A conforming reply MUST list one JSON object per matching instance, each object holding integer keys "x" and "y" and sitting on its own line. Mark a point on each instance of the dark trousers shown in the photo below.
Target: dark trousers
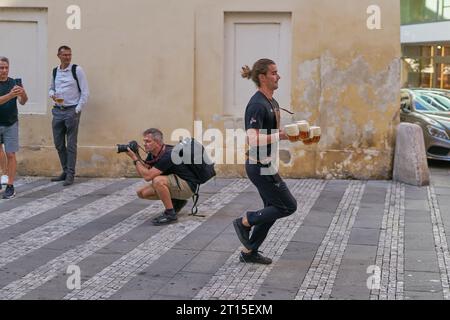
{"x": 278, "y": 203}
{"x": 65, "y": 136}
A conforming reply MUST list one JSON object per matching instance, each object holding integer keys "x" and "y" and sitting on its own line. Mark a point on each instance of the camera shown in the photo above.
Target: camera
{"x": 133, "y": 145}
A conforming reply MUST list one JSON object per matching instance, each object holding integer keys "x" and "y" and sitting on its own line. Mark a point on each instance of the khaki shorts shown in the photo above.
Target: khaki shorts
{"x": 180, "y": 190}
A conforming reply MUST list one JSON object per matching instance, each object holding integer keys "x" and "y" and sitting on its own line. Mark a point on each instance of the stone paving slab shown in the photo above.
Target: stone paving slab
{"x": 291, "y": 269}
{"x": 419, "y": 241}
{"x": 310, "y": 234}
{"x": 404, "y": 230}
{"x": 417, "y": 216}
{"x": 417, "y": 205}
{"x": 353, "y": 272}
{"x": 143, "y": 287}
{"x": 364, "y": 236}
{"x": 368, "y": 222}
{"x": 420, "y": 295}
{"x": 350, "y": 292}
{"x": 423, "y": 281}
{"x": 416, "y": 260}
{"x": 206, "y": 262}
{"x": 272, "y": 293}
{"x": 184, "y": 285}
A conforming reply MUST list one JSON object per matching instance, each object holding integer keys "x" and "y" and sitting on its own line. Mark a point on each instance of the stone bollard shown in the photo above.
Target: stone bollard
{"x": 410, "y": 162}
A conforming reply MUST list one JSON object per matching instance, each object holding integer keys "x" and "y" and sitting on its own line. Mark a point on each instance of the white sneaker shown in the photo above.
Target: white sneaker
{"x": 4, "y": 179}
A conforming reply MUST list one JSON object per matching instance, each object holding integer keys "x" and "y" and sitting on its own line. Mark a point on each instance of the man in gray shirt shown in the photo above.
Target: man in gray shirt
{"x": 69, "y": 90}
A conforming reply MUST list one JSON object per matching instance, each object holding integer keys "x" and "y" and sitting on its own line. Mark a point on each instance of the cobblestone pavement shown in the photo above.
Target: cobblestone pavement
{"x": 378, "y": 240}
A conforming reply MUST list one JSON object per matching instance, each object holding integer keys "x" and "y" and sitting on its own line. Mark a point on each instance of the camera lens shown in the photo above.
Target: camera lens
{"x": 122, "y": 148}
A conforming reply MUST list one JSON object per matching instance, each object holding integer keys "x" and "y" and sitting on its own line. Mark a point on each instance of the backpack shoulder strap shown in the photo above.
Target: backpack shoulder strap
{"x": 74, "y": 74}
{"x": 54, "y": 74}
{"x": 195, "y": 197}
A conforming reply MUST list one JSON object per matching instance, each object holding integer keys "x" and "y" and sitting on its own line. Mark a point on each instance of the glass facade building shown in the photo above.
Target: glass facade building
{"x": 424, "y": 11}
{"x": 426, "y": 63}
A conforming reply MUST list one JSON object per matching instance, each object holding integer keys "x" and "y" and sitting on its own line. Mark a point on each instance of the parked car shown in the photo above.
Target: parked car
{"x": 430, "y": 109}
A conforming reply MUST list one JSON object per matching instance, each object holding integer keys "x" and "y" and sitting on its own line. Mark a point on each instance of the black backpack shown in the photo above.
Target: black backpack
{"x": 193, "y": 154}
{"x": 74, "y": 74}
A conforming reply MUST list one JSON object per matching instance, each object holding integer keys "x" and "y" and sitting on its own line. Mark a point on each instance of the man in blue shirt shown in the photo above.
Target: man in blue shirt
{"x": 10, "y": 93}
{"x": 69, "y": 90}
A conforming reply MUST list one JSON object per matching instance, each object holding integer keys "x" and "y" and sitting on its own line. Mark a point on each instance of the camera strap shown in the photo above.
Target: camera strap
{"x": 156, "y": 159}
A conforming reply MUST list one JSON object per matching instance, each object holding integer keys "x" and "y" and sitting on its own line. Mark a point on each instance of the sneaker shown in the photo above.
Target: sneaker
{"x": 9, "y": 192}
{"x": 178, "y": 204}
{"x": 61, "y": 177}
{"x": 254, "y": 258}
{"x": 242, "y": 232}
{"x": 4, "y": 179}
{"x": 164, "y": 218}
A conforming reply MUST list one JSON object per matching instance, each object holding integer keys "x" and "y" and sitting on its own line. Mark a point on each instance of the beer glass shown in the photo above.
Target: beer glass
{"x": 292, "y": 132}
{"x": 303, "y": 127}
{"x": 316, "y": 134}
{"x": 309, "y": 140}
{"x": 59, "y": 99}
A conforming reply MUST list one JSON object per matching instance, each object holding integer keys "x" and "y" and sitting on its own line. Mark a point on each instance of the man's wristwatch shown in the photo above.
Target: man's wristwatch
{"x": 135, "y": 162}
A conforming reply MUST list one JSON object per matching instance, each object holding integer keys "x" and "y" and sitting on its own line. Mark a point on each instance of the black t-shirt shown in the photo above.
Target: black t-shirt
{"x": 8, "y": 110}
{"x": 260, "y": 114}
{"x": 165, "y": 164}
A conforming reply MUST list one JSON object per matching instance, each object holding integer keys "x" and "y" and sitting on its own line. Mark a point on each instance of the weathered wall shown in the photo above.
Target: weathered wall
{"x": 159, "y": 63}
{"x": 345, "y": 79}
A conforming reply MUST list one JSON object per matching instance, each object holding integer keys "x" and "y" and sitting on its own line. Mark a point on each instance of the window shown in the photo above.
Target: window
{"x": 423, "y": 11}
{"x": 426, "y": 66}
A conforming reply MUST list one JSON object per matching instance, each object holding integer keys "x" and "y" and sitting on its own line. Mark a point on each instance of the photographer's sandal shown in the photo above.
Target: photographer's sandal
{"x": 164, "y": 219}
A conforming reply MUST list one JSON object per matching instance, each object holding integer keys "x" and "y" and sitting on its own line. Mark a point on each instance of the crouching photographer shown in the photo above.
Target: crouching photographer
{"x": 171, "y": 183}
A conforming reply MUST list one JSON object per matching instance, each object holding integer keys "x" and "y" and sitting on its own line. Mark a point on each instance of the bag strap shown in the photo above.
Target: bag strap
{"x": 74, "y": 74}
{"x": 276, "y": 110}
{"x": 195, "y": 197}
{"x": 54, "y": 73}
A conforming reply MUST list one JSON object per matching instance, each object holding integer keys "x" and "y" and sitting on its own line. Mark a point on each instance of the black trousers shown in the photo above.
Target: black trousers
{"x": 278, "y": 203}
{"x": 65, "y": 136}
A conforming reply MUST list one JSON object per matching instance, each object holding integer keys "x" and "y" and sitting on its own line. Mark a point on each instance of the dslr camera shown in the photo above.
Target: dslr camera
{"x": 133, "y": 145}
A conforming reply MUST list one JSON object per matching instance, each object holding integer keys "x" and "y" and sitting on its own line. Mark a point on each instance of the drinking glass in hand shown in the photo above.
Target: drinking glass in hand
{"x": 314, "y": 136}
{"x": 292, "y": 132}
{"x": 303, "y": 127}
{"x": 316, "y": 133}
{"x": 59, "y": 99}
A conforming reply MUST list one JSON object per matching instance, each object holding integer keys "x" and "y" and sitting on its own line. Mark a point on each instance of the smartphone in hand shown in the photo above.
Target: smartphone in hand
{"x": 18, "y": 82}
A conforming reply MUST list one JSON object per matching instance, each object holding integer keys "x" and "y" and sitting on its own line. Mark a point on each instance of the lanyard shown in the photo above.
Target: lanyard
{"x": 276, "y": 110}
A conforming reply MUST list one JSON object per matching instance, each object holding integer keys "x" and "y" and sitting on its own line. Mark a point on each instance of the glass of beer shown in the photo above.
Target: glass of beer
{"x": 292, "y": 132}
{"x": 316, "y": 133}
{"x": 59, "y": 99}
{"x": 303, "y": 127}
{"x": 309, "y": 140}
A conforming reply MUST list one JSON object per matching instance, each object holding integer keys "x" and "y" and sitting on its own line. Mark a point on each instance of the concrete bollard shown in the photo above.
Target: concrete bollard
{"x": 410, "y": 162}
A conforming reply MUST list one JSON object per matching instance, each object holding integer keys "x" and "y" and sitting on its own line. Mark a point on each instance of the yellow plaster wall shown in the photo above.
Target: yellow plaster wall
{"x": 158, "y": 63}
